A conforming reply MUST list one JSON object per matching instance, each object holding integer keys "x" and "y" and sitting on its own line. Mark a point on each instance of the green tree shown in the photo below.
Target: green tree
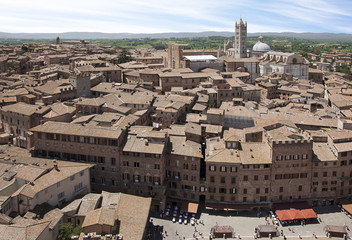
{"x": 66, "y": 231}
{"x": 124, "y": 57}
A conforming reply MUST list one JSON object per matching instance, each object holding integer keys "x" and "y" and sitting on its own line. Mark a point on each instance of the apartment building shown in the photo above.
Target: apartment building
{"x": 178, "y": 79}
{"x": 60, "y": 185}
{"x": 287, "y": 165}
{"x": 83, "y": 143}
{"x": 18, "y": 118}
{"x": 183, "y": 167}
{"x": 143, "y": 164}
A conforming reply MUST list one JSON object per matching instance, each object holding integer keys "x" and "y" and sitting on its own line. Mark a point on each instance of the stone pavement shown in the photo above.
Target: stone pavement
{"x": 245, "y": 223}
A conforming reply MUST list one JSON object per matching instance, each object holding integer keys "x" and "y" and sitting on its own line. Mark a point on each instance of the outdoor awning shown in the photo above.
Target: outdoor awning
{"x": 189, "y": 207}
{"x": 267, "y": 229}
{"x": 336, "y": 229}
{"x": 233, "y": 206}
{"x": 309, "y": 213}
{"x": 222, "y": 229}
{"x": 283, "y": 215}
{"x": 295, "y": 214}
{"x": 347, "y": 207}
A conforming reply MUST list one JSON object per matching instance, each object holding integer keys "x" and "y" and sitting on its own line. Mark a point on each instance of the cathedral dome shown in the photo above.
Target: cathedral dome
{"x": 262, "y": 47}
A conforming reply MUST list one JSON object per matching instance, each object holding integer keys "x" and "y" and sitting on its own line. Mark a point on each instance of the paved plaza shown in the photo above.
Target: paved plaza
{"x": 244, "y": 224}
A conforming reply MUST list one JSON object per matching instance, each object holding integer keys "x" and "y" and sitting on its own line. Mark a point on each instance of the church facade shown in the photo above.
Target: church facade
{"x": 281, "y": 62}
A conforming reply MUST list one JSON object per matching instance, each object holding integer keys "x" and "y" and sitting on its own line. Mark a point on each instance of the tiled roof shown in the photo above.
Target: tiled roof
{"x": 78, "y": 130}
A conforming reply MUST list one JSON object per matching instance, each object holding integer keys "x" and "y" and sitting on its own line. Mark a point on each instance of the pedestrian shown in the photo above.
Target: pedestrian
{"x": 165, "y": 233}
{"x": 176, "y": 232}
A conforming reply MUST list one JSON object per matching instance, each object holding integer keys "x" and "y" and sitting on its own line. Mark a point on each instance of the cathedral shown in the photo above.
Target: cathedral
{"x": 269, "y": 61}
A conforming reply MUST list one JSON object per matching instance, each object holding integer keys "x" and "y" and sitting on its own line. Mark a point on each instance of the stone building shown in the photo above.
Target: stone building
{"x": 284, "y": 63}
{"x": 174, "y": 56}
{"x": 18, "y": 118}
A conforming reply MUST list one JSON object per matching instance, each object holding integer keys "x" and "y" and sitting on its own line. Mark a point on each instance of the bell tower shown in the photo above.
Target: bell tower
{"x": 240, "y": 41}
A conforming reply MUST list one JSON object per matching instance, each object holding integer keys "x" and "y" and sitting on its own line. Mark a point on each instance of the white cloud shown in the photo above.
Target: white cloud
{"x": 172, "y": 15}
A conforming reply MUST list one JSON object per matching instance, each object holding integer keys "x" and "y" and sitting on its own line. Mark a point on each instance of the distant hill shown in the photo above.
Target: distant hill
{"x": 99, "y": 35}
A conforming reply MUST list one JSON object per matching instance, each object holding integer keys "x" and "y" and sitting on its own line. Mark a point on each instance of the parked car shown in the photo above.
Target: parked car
{"x": 193, "y": 221}
{"x": 180, "y": 220}
{"x": 174, "y": 219}
{"x": 185, "y": 221}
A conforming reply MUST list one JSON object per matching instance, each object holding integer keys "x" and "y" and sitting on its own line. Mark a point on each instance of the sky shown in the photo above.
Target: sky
{"x": 158, "y": 16}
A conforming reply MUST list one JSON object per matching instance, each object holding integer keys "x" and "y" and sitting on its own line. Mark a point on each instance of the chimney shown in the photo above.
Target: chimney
{"x": 55, "y": 166}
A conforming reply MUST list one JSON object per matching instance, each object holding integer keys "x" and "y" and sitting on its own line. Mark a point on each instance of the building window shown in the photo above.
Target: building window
{"x": 72, "y": 177}
{"x": 60, "y": 195}
{"x": 101, "y": 159}
{"x": 288, "y": 157}
{"x": 266, "y": 177}
{"x": 222, "y": 190}
{"x": 233, "y": 180}
{"x": 233, "y": 169}
{"x": 136, "y": 178}
{"x": 245, "y": 191}
{"x": 125, "y": 176}
{"x": 222, "y": 179}
{"x": 255, "y": 177}
{"x": 279, "y": 158}
{"x": 136, "y": 164}
{"x": 222, "y": 169}
{"x": 212, "y": 179}
{"x": 156, "y": 166}
{"x": 316, "y": 174}
{"x": 78, "y": 187}
{"x": 257, "y": 191}
{"x": 304, "y": 156}
{"x": 125, "y": 163}
{"x": 281, "y": 189}
{"x": 113, "y": 169}
{"x": 113, "y": 161}
{"x": 300, "y": 188}
{"x": 245, "y": 178}
{"x": 212, "y": 168}
{"x": 295, "y": 157}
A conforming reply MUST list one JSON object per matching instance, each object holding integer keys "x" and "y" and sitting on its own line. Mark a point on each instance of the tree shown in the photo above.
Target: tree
{"x": 66, "y": 231}
{"x": 124, "y": 57}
